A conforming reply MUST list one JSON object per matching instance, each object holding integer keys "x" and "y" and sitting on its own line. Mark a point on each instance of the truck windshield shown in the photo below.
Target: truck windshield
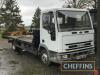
{"x": 73, "y": 20}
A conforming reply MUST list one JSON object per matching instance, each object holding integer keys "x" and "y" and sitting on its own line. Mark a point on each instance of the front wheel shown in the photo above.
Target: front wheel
{"x": 45, "y": 58}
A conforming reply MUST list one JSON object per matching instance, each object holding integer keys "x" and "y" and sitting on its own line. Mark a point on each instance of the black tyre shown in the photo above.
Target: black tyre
{"x": 45, "y": 57}
{"x": 16, "y": 49}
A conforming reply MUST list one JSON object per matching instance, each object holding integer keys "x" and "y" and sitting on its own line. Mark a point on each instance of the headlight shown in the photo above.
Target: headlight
{"x": 64, "y": 56}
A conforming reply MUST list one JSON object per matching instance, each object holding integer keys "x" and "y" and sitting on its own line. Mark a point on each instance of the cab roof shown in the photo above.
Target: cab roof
{"x": 69, "y": 9}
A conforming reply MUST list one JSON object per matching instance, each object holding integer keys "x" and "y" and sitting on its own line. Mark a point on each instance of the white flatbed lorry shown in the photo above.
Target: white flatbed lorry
{"x": 64, "y": 34}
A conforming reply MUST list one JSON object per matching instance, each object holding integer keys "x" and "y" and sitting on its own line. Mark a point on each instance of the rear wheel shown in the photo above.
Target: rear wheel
{"x": 13, "y": 47}
{"x": 16, "y": 49}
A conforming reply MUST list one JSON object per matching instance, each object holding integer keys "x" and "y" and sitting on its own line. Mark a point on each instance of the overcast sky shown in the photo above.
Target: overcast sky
{"x": 28, "y": 7}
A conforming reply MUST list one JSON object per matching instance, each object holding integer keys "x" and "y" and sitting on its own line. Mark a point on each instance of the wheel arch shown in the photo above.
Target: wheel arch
{"x": 42, "y": 47}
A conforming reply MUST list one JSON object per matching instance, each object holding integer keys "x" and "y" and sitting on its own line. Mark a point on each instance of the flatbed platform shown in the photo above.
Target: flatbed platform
{"x": 24, "y": 38}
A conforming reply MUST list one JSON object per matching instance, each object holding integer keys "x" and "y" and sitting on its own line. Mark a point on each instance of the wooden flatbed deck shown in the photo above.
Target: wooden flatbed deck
{"x": 25, "y": 38}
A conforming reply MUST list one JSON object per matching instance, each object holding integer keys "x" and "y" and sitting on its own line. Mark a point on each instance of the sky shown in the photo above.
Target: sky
{"x": 28, "y": 8}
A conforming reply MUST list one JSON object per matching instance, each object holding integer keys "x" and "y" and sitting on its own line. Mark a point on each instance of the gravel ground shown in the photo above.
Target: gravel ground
{"x": 12, "y": 63}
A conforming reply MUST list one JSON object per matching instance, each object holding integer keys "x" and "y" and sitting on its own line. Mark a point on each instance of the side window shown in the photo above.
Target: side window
{"x": 48, "y": 23}
{"x": 46, "y": 20}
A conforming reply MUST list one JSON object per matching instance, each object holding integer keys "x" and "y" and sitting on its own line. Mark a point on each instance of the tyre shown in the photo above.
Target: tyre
{"x": 45, "y": 57}
{"x": 16, "y": 49}
{"x": 13, "y": 47}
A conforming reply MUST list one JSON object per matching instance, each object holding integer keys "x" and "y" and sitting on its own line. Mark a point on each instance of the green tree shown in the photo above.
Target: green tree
{"x": 1, "y": 4}
{"x": 10, "y": 16}
{"x": 79, "y": 3}
{"x": 36, "y": 19}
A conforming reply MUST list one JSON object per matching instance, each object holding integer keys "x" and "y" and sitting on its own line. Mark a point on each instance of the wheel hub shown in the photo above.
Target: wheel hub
{"x": 13, "y": 47}
{"x": 44, "y": 58}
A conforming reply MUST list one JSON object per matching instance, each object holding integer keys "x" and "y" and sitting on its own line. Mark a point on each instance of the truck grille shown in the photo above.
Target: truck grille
{"x": 76, "y": 54}
{"x": 79, "y": 45}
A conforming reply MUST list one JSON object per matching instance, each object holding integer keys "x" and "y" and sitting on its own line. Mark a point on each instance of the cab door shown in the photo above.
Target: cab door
{"x": 48, "y": 31}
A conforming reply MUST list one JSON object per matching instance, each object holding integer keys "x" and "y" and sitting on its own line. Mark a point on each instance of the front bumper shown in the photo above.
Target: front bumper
{"x": 59, "y": 57}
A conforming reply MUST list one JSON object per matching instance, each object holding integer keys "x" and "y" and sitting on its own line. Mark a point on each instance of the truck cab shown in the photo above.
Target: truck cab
{"x": 66, "y": 34}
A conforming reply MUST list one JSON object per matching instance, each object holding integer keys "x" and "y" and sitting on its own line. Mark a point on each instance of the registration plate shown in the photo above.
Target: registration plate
{"x": 80, "y": 56}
